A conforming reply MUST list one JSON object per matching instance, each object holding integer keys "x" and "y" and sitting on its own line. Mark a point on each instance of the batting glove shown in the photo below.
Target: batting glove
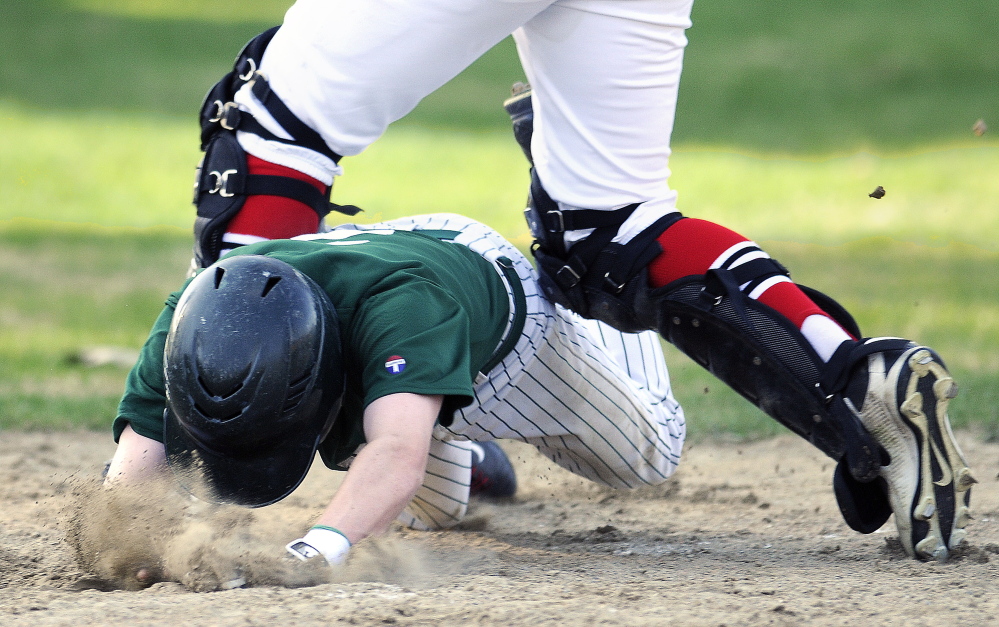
{"x": 331, "y": 543}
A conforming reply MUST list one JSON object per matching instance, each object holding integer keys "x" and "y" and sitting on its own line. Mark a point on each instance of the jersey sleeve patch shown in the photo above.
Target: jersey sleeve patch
{"x": 395, "y": 364}
{"x": 412, "y": 338}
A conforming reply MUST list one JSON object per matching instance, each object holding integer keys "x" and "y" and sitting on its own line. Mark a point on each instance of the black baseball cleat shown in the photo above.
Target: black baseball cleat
{"x": 901, "y": 397}
{"x": 492, "y": 473}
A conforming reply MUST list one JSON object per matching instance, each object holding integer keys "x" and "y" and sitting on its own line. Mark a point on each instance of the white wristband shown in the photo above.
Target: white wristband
{"x": 325, "y": 541}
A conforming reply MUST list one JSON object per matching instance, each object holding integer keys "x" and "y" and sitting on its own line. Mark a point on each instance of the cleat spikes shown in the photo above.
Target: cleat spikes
{"x": 965, "y": 480}
{"x": 945, "y": 389}
{"x": 927, "y": 480}
{"x": 962, "y": 517}
{"x": 919, "y": 363}
{"x": 925, "y": 510}
{"x": 932, "y": 548}
{"x": 957, "y": 537}
{"x": 953, "y": 390}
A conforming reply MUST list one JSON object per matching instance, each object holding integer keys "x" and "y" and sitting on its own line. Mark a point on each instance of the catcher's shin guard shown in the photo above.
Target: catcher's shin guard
{"x": 596, "y": 278}
{"x": 222, "y": 182}
{"x": 749, "y": 346}
{"x": 765, "y": 358}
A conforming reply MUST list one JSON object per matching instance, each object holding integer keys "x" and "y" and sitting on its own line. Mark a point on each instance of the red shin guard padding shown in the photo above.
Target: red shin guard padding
{"x": 275, "y": 217}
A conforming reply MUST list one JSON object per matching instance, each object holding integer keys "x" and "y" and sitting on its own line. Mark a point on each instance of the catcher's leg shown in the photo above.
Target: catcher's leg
{"x": 877, "y": 406}
{"x": 333, "y": 77}
{"x": 240, "y": 198}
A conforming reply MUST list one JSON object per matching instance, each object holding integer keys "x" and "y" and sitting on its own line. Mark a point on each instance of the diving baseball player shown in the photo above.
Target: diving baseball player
{"x": 391, "y": 349}
{"x": 609, "y": 242}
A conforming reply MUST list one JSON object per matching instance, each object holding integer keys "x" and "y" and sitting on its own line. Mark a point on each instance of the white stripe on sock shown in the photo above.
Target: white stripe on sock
{"x": 732, "y": 250}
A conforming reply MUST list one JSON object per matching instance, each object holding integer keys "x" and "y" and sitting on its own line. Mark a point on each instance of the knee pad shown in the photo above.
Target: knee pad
{"x": 222, "y": 182}
{"x": 596, "y": 278}
{"x": 521, "y": 111}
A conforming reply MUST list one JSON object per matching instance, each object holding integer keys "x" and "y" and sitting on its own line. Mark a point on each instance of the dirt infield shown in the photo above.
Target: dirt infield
{"x": 746, "y": 534}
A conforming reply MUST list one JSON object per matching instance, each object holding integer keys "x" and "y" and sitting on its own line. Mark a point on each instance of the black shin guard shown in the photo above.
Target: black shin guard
{"x": 761, "y": 355}
{"x": 766, "y": 359}
{"x": 222, "y": 182}
{"x": 597, "y": 278}
{"x": 754, "y": 349}
{"x": 747, "y": 345}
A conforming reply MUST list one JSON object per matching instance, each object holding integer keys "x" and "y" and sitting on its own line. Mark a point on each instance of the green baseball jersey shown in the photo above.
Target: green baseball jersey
{"x": 417, "y": 314}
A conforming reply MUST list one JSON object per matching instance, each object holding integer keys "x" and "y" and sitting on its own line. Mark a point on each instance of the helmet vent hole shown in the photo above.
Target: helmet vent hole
{"x": 269, "y": 285}
{"x": 296, "y": 390}
{"x": 219, "y": 394}
{"x": 219, "y": 273}
{"x": 215, "y": 415}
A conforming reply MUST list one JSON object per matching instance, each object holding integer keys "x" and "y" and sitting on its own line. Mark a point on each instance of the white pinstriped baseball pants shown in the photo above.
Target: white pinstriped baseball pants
{"x": 604, "y": 73}
{"x": 592, "y": 399}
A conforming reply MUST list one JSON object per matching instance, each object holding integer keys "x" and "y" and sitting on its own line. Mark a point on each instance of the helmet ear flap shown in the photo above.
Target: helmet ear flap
{"x": 254, "y": 378}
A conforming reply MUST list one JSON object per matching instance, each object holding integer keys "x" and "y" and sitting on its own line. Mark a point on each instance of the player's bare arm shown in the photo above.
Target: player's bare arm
{"x": 382, "y": 479}
{"x": 137, "y": 458}
{"x": 389, "y": 469}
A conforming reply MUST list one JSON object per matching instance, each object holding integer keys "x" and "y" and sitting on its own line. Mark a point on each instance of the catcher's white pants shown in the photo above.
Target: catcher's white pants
{"x": 604, "y": 74}
{"x": 592, "y": 399}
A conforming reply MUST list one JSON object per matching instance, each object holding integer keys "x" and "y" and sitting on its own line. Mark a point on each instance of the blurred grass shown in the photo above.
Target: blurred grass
{"x": 838, "y": 74}
{"x": 162, "y": 57}
{"x": 936, "y": 195}
{"x": 137, "y": 170}
{"x": 808, "y": 77}
{"x": 67, "y": 288}
{"x": 788, "y": 117}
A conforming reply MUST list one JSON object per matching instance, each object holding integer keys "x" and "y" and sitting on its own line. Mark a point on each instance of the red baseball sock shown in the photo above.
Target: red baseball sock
{"x": 786, "y": 298}
{"x": 275, "y": 217}
{"x": 692, "y": 247}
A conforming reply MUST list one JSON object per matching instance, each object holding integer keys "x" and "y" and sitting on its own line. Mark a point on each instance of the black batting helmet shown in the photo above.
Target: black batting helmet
{"x": 254, "y": 378}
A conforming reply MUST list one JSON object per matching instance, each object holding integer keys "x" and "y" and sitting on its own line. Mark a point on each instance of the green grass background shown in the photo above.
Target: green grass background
{"x": 788, "y": 117}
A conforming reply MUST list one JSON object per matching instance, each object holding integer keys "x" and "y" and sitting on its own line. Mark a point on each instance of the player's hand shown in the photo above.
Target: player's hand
{"x": 146, "y": 576}
{"x": 321, "y": 540}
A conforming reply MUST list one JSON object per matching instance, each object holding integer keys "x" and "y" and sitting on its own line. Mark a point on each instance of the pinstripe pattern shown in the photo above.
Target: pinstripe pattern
{"x": 592, "y": 399}
{"x": 442, "y": 500}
